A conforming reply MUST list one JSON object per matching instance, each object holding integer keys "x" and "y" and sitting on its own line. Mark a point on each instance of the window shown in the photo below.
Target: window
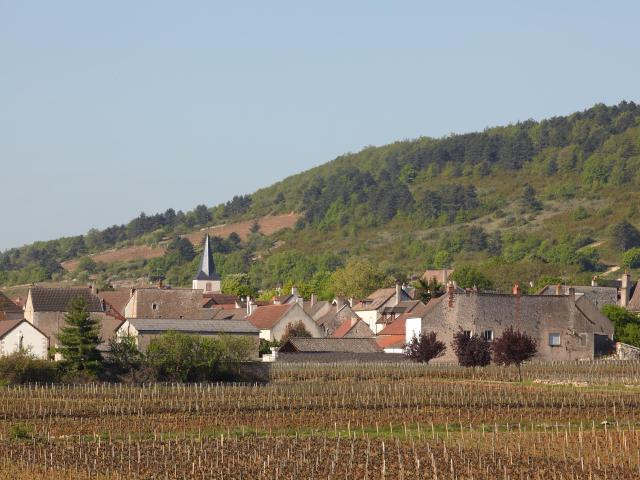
{"x": 154, "y": 306}
{"x": 488, "y": 335}
{"x": 467, "y": 333}
{"x": 554, "y": 339}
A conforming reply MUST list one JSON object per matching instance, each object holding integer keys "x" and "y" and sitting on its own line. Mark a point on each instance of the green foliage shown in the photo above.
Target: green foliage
{"x": 79, "y": 340}
{"x": 238, "y": 285}
{"x": 624, "y": 235}
{"x": 22, "y": 367}
{"x": 266, "y": 345}
{"x": 124, "y": 356}
{"x": 357, "y": 279}
{"x": 626, "y": 324}
{"x": 468, "y": 276}
{"x": 191, "y": 358}
{"x": 631, "y": 258}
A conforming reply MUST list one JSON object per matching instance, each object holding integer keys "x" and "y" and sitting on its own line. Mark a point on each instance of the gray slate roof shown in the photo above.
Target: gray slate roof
{"x": 58, "y": 299}
{"x": 207, "y": 267}
{"x": 599, "y": 296}
{"x": 320, "y": 345}
{"x": 192, "y": 326}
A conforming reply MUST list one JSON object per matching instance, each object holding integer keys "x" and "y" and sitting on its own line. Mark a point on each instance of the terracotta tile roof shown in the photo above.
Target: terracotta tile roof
{"x": 267, "y": 316}
{"x": 324, "y": 345}
{"x": 7, "y": 325}
{"x": 390, "y": 341}
{"x": 118, "y": 299}
{"x": 397, "y": 327}
{"x": 58, "y": 299}
{"x": 345, "y": 327}
{"x": 7, "y": 306}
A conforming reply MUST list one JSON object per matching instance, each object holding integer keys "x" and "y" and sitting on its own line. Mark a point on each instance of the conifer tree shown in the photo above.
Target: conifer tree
{"x": 79, "y": 340}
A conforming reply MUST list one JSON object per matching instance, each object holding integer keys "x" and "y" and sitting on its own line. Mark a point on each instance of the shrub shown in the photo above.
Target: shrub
{"x": 472, "y": 351}
{"x": 295, "y": 330}
{"x": 514, "y": 347}
{"x": 631, "y": 258}
{"x": 425, "y": 348}
{"x": 22, "y": 367}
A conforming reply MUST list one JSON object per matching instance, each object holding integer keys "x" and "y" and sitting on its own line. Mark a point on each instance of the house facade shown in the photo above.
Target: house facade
{"x": 370, "y": 309}
{"x": 566, "y": 327}
{"x": 20, "y": 335}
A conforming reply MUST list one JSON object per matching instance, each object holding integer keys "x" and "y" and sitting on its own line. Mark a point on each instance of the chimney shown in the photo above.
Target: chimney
{"x": 516, "y": 289}
{"x": 625, "y": 289}
{"x": 594, "y": 281}
{"x": 159, "y": 284}
{"x": 92, "y": 288}
{"x": 572, "y": 294}
{"x": 351, "y": 301}
{"x": 398, "y": 293}
{"x": 294, "y": 291}
{"x": 314, "y": 299}
{"x": 248, "y": 307}
{"x": 450, "y": 290}
{"x": 558, "y": 289}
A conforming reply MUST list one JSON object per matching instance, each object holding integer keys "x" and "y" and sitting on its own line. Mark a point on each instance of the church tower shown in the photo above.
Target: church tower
{"x": 207, "y": 278}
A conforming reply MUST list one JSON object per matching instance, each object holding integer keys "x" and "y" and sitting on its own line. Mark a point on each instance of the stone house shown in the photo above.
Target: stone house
{"x": 337, "y": 313}
{"x": 167, "y": 303}
{"x": 370, "y": 309}
{"x": 17, "y": 335}
{"x": 9, "y": 310}
{"x": 272, "y": 320}
{"x": 353, "y": 327}
{"x": 45, "y": 308}
{"x": 566, "y": 327}
{"x": 146, "y": 329}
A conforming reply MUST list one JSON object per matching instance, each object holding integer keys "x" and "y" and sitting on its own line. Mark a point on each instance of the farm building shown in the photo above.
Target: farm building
{"x": 17, "y": 335}
{"x": 9, "y": 310}
{"x": 145, "y": 329}
{"x": 46, "y": 308}
{"x": 272, "y": 320}
{"x": 566, "y": 327}
{"x": 167, "y": 303}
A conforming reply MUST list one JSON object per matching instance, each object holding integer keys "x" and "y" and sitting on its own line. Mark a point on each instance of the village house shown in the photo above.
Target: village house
{"x": 353, "y": 327}
{"x": 115, "y": 301}
{"x": 20, "y": 335}
{"x": 370, "y": 309}
{"x": 272, "y": 320}
{"x": 566, "y": 327}
{"x": 45, "y": 308}
{"x": 167, "y": 303}
{"x": 337, "y": 313}
{"x": 9, "y": 310}
{"x": 146, "y": 329}
{"x": 441, "y": 275}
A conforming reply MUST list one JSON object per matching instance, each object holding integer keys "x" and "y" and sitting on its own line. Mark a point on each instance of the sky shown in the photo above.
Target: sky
{"x": 109, "y": 109}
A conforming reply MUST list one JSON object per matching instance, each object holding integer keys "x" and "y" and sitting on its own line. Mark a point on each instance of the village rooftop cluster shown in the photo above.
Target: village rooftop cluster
{"x": 565, "y": 320}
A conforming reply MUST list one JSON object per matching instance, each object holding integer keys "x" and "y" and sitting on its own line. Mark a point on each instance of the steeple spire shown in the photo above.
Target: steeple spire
{"x": 207, "y": 266}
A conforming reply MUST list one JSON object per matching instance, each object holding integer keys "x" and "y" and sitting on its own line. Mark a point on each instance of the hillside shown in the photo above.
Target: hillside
{"x": 529, "y": 202}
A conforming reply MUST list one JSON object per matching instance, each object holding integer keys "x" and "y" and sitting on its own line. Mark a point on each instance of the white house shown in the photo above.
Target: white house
{"x": 16, "y": 335}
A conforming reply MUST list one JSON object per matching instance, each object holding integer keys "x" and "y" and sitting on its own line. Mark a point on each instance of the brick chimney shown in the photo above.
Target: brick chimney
{"x": 450, "y": 291}
{"x": 398, "y": 293}
{"x": 516, "y": 289}
{"x": 625, "y": 289}
{"x": 572, "y": 294}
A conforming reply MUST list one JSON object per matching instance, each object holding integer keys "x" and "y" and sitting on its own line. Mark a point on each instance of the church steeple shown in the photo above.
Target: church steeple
{"x": 207, "y": 278}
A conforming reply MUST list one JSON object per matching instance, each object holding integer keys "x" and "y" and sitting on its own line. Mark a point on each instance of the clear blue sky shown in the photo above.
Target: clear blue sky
{"x": 111, "y": 108}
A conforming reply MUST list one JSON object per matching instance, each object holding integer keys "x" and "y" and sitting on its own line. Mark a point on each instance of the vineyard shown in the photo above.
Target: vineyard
{"x": 327, "y": 421}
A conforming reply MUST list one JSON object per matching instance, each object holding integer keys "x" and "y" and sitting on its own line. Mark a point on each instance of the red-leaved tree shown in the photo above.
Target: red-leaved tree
{"x": 424, "y": 348}
{"x": 472, "y": 351}
{"x": 514, "y": 347}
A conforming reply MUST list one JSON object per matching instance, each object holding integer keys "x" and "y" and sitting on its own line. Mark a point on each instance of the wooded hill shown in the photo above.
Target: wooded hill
{"x": 529, "y": 202}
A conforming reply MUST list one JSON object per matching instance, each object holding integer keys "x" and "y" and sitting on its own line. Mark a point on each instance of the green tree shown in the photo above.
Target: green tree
{"x": 238, "y": 284}
{"x": 626, "y": 324}
{"x": 468, "y": 276}
{"x": 625, "y": 236}
{"x": 87, "y": 264}
{"x": 529, "y": 199}
{"x": 124, "y": 355}
{"x": 631, "y": 258}
{"x": 79, "y": 340}
{"x": 357, "y": 279}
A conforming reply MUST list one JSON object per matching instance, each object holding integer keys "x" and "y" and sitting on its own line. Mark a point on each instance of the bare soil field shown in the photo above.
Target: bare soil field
{"x": 268, "y": 225}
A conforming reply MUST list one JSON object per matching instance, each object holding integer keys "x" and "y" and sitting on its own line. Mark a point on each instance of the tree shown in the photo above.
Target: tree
{"x": 124, "y": 355}
{"x": 471, "y": 350}
{"x": 626, "y": 324}
{"x": 87, "y": 264}
{"x": 529, "y": 199}
{"x": 468, "y": 276}
{"x": 295, "y": 330}
{"x": 79, "y": 340}
{"x": 512, "y": 348}
{"x": 625, "y": 236}
{"x": 238, "y": 284}
{"x": 425, "y": 348}
{"x": 183, "y": 248}
{"x": 426, "y": 290}
{"x": 357, "y": 279}
{"x": 631, "y": 258}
